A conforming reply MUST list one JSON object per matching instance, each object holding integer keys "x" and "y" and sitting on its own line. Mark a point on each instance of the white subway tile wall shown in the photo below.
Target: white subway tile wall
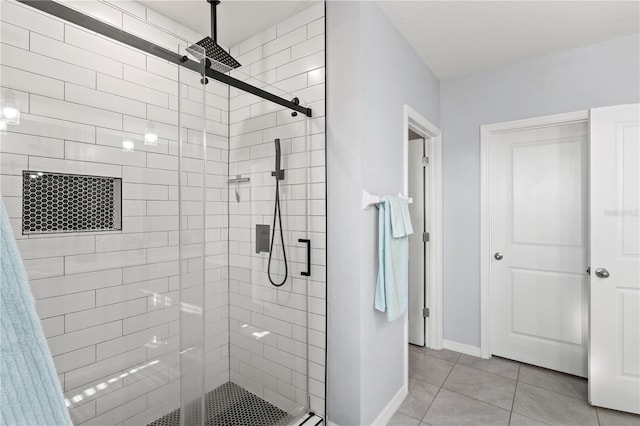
{"x": 268, "y": 335}
{"x": 108, "y": 301}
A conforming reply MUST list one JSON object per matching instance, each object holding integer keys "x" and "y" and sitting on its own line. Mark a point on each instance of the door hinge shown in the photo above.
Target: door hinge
{"x": 425, "y": 161}
{"x": 425, "y": 236}
{"x": 425, "y": 312}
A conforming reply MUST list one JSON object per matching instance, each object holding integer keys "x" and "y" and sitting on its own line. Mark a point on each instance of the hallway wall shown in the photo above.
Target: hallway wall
{"x": 372, "y": 73}
{"x": 601, "y": 74}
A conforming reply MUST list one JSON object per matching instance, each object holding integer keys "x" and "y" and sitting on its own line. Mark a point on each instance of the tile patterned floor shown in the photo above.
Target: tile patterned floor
{"x": 448, "y": 388}
{"x": 232, "y": 405}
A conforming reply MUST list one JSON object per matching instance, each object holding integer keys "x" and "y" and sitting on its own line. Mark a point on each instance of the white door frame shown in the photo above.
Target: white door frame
{"x": 432, "y": 134}
{"x": 486, "y": 133}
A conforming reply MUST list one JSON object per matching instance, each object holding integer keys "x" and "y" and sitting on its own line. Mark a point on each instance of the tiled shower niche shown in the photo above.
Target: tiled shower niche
{"x": 57, "y": 202}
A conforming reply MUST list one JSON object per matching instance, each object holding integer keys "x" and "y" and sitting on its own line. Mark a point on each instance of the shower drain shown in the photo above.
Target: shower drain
{"x": 231, "y": 405}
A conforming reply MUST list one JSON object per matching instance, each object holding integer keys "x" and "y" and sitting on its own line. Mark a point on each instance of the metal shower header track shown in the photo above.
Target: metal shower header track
{"x": 71, "y": 15}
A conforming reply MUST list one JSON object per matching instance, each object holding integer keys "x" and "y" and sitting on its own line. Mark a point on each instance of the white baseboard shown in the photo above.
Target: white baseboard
{"x": 386, "y": 414}
{"x": 393, "y": 405}
{"x": 462, "y": 348}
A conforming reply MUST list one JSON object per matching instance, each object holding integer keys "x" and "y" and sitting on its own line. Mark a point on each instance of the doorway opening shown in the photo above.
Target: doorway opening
{"x": 423, "y": 183}
{"x": 419, "y": 241}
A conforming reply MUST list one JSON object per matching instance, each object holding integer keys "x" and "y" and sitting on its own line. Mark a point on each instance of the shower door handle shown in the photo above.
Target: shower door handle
{"x": 308, "y": 271}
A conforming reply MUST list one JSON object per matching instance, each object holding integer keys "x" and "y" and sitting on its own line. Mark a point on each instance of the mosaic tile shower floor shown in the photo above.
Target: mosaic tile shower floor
{"x": 231, "y": 405}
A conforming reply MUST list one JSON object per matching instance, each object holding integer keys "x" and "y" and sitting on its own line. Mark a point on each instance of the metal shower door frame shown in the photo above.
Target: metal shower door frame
{"x": 75, "y": 17}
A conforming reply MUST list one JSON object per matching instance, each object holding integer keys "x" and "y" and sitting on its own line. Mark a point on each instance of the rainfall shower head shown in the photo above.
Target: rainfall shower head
{"x": 220, "y": 59}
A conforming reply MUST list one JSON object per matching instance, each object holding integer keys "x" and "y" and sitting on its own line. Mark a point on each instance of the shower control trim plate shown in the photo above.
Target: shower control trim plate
{"x": 262, "y": 238}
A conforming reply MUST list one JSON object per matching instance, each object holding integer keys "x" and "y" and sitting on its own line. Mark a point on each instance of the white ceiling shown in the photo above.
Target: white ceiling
{"x": 237, "y": 19}
{"x": 461, "y": 37}
{"x": 453, "y": 37}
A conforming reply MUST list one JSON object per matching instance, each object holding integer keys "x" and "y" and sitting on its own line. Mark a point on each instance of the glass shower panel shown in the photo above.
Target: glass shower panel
{"x": 204, "y": 252}
{"x": 192, "y": 197}
{"x": 268, "y": 293}
{"x": 106, "y": 291}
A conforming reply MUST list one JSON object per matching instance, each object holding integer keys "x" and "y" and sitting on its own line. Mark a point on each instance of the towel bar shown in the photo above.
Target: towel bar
{"x": 369, "y": 200}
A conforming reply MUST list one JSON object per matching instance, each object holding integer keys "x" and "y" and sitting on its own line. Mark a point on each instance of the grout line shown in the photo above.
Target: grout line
{"x": 513, "y": 400}
{"x": 555, "y": 392}
{"x": 485, "y": 402}
{"x": 479, "y": 400}
{"x": 528, "y": 417}
{"x": 440, "y": 388}
{"x": 491, "y": 373}
{"x": 431, "y": 403}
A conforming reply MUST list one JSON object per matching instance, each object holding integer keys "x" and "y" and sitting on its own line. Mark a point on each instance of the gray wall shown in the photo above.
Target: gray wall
{"x": 372, "y": 73}
{"x": 601, "y": 74}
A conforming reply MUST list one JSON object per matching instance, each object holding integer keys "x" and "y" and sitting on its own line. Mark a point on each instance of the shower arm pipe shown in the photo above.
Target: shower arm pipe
{"x": 214, "y": 19}
{"x": 73, "y": 16}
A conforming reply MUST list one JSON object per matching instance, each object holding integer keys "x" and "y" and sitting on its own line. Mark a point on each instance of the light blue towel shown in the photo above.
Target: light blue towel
{"x": 394, "y": 228}
{"x": 30, "y": 392}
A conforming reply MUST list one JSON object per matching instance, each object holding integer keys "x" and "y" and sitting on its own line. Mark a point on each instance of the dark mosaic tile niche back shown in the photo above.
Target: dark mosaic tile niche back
{"x": 55, "y": 202}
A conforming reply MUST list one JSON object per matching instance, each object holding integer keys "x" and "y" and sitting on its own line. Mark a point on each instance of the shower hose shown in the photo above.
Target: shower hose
{"x": 277, "y": 213}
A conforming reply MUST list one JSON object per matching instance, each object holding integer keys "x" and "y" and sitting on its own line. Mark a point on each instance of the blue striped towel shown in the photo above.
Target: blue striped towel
{"x": 30, "y": 392}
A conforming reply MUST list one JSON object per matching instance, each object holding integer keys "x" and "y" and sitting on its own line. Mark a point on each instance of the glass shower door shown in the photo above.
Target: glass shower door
{"x": 244, "y": 288}
{"x": 268, "y": 257}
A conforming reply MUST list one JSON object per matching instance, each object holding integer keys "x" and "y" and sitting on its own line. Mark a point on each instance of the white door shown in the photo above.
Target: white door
{"x": 539, "y": 284}
{"x": 614, "y": 350}
{"x": 417, "y": 247}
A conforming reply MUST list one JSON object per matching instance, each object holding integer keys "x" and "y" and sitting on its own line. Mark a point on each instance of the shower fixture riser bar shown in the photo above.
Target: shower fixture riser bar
{"x": 63, "y": 12}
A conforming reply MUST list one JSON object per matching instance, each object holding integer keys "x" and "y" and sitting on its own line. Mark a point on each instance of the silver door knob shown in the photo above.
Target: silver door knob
{"x": 498, "y": 256}
{"x": 602, "y": 273}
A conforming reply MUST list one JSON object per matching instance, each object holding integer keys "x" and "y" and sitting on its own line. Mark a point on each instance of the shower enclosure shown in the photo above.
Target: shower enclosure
{"x": 243, "y": 341}
{"x": 164, "y": 313}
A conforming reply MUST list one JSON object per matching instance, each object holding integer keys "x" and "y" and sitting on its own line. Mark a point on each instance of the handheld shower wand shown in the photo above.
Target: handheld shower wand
{"x": 278, "y": 173}
{"x": 277, "y": 213}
